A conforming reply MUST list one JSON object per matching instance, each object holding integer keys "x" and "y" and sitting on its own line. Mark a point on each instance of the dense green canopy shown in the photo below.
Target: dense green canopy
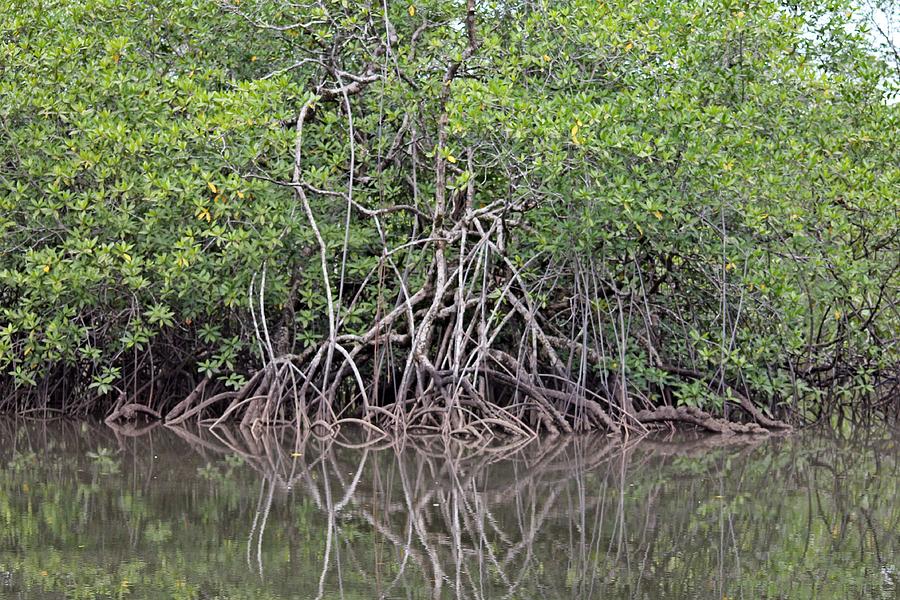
{"x": 546, "y": 214}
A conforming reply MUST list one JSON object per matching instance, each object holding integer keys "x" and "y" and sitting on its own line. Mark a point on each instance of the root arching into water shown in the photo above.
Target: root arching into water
{"x": 456, "y": 377}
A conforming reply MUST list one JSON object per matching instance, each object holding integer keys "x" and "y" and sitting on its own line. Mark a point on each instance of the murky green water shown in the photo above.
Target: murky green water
{"x": 86, "y": 513}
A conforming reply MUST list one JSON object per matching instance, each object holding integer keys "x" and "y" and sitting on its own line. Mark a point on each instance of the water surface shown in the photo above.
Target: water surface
{"x": 86, "y": 512}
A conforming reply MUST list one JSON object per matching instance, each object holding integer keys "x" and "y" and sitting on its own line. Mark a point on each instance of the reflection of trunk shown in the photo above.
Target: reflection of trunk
{"x": 535, "y": 520}
{"x": 476, "y": 521}
{"x": 442, "y": 524}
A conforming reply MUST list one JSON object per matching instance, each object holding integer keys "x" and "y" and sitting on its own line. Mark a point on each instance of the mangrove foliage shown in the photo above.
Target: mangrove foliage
{"x": 455, "y": 217}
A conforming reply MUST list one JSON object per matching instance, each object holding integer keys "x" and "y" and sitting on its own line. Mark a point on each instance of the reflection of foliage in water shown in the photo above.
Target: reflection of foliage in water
{"x": 104, "y": 461}
{"x": 238, "y": 517}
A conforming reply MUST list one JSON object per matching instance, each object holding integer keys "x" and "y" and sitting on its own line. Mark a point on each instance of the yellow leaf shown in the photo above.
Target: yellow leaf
{"x": 628, "y": 46}
{"x": 837, "y": 315}
{"x": 729, "y": 266}
{"x": 203, "y": 214}
{"x": 181, "y": 261}
{"x": 575, "y": 135}
{"x": 411, "y": 10}
{"x": 658, "y": 215}
{"x": 240, "y": 194}
{"x": 212, "y": 187}
{"x": 296, "y": 454}
{"x": 126, "y": 257}
{"x": 46, "y": 268}
{"x": 728, "y": 165}
{"x": 451, "y": 158}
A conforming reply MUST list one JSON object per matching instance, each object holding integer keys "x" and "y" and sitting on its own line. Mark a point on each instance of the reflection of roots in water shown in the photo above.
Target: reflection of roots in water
{"x": 443, "y": 521}
{"x": 556, "y": 517}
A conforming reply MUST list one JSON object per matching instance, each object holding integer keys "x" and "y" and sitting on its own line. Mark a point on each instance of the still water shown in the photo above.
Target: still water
{"x": 86, "y": 512}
